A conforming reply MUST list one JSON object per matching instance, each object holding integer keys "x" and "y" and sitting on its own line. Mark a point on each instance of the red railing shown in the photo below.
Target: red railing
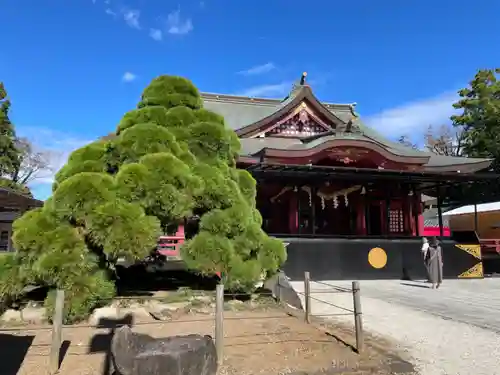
{"x": 490, "y": 246}
{"x": 169, "y": 246}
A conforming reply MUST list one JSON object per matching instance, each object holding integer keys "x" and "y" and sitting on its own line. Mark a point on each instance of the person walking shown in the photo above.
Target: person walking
{"x": 425, "y": 250}
{"x": 434, "y": 260}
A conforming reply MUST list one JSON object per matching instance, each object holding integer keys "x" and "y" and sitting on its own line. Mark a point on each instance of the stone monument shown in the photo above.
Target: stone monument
{"x": 139, "y": 354}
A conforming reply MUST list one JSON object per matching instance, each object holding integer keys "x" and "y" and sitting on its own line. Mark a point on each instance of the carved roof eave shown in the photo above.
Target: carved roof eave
{"x": 464, "y": 168}
{"x": 310, "y": 152}
{"x": 304, "y": 93}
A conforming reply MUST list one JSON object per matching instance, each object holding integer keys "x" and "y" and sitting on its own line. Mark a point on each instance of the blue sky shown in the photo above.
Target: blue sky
{"x": 72, "y": 68}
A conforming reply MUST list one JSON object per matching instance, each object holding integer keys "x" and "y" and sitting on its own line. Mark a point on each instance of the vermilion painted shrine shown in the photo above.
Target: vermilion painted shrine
{"x": 346, "y": 200}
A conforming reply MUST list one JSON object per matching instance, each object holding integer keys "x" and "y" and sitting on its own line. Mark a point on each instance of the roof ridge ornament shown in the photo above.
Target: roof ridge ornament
{"x": 296, "y": 86}
{"x": 302, "y": 81}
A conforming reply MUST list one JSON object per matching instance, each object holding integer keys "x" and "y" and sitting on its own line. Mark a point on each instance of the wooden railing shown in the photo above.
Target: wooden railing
{"x": 169, "y": 246}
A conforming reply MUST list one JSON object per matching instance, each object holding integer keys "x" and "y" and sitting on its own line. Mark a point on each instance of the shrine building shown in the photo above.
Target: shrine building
{"x": 347, "y": 200}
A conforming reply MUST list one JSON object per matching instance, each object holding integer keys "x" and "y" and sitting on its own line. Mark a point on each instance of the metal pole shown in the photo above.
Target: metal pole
{"x": 219, "y": 323}
{"x": 307, "y": 295}
{"x": 57, "y": 332}
{"x": 358, "y": 321}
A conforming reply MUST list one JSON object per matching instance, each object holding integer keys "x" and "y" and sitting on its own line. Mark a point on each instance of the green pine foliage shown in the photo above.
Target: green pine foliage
{"x": 480, "y": 116}
{"x": 169, "y": 160}
{"x": 9, "y": 154}
{"x": 479, "y": 121}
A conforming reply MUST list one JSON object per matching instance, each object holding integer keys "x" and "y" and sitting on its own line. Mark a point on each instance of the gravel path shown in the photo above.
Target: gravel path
{"x": 454, "y": 330}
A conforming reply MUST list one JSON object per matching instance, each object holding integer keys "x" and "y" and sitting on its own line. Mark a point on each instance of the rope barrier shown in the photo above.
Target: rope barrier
{"x": 347, "y": 290}
{"x": 331, "y": 304}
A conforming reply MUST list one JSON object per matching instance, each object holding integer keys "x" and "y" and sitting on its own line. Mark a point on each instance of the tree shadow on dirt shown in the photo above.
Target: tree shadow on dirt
{"x": 101, "y": 342}
{"x": 14, "y": 349}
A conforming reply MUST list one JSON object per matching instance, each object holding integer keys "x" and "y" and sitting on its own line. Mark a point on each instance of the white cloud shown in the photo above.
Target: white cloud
{"x": 128, "y": 77}
{"x": 414, "y": 118}
{"x": 110, "y": 12}
{"x": 276, "y": 90}
{"x": 258, "y": 69}
{"x": 156, "y": 34}
{"x": 177, "y": 25}
{"x": 131, "y": 17}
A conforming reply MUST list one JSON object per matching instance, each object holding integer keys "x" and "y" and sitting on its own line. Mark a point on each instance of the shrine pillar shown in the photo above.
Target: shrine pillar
{"x": 361, "y": 215}
{"x": 406, "y": 207}
{"x": 293, "y": 214}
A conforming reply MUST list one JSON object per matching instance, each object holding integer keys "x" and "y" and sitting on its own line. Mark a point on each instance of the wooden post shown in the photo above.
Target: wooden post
{"x": 307, "y": 296}
{"x": 219, "y": 323}
{"x": 56, "y": 332}
{"x": 358, "y": 321}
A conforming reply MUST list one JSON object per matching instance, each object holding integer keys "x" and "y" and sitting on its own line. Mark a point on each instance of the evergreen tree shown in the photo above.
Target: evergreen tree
{"x": 169, "y": 159}
{"x": 480, "y": 117}
{"x": 478, "y": 125}
{"x": 9, "y": 154}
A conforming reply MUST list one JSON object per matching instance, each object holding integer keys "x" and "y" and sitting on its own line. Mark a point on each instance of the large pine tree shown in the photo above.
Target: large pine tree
{"x": 170, "y": 159}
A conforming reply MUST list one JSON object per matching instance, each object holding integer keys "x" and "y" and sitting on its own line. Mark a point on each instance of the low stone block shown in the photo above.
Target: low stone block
{"x": 12, "y": 315}
{"x": 139, "y": 354}
{"x": 33, "y": 314}
{"x": 110, "y": 313}
{"x": 283, "y": 290}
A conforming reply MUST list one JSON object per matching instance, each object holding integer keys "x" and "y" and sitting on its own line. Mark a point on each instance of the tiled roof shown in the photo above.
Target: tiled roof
{"x": 240, "y": 112}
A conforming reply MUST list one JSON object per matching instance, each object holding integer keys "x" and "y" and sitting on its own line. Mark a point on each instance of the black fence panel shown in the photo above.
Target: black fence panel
{"x": 375, "y": 259}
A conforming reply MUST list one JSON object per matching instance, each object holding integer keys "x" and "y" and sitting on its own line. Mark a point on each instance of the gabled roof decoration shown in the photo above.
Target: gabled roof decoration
{"x": 303, "y": 96}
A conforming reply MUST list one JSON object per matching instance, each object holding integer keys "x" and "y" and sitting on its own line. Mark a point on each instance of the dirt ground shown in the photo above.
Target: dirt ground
{"x": 256, "y": 342}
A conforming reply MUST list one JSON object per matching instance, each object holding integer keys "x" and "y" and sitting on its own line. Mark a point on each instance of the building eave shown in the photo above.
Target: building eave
{"x": 12, "y": 199}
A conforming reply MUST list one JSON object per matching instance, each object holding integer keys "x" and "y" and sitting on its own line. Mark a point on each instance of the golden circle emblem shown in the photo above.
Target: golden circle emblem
{"x": 377, "y": 257}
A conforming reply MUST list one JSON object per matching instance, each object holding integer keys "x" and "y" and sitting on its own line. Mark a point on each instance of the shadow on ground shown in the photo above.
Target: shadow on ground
{"x": 101, "y": 343}
{"x": 137, "y": 281}
{"x": 416, "y": 285}
{"x": 14, "y": 349}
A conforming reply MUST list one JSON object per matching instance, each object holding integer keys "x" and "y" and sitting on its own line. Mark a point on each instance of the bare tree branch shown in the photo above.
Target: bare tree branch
{"x": 33, "y": 163}
{"x": 446, "y": 140}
